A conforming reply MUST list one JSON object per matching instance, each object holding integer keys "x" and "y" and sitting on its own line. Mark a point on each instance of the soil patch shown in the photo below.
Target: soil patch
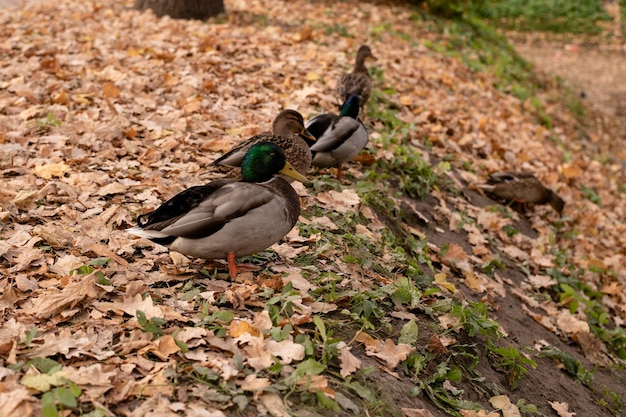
{"x": 596, "y": 72}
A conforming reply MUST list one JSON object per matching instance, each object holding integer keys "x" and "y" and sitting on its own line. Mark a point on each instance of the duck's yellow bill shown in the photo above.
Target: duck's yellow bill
{"x": 289, "y": 171}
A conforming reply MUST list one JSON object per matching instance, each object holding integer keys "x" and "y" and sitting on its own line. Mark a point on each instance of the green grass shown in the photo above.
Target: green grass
{"x": 557, "y": 16}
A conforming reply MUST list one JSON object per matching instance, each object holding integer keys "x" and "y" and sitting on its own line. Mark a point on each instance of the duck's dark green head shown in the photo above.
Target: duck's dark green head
{"x": 263, "y": 161}
{"x": 350, "y": 107}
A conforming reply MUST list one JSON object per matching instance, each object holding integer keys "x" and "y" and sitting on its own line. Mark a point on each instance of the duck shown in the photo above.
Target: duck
{"x": 358, "y": 82}
{"x": 521, "y": 188}
{"x": 339, "y": 138}
{"x": 288, "y": 132}
{"x": 229, "y": 218}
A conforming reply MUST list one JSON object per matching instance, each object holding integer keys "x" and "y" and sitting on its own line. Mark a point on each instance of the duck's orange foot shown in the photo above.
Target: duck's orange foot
{"x": 234, "y": 269}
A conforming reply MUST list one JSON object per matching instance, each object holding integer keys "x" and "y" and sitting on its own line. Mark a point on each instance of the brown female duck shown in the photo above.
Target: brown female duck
{"x": 288, "y": 132}
{"x": 521, "y": 188}
{"x": 358, "y": 82}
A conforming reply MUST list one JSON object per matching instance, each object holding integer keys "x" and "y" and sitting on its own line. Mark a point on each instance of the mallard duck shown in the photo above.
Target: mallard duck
{"x": 358, "y": 82}
{"x": 228, "y": 218}
{"x": 521, "y": 188}
{"x": 339, "y": 137}
{"x": 288, "y": 132}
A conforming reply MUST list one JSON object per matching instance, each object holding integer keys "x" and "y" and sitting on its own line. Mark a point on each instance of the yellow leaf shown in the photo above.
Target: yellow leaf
{"x": 51, "y": 170}
{"x": 43, "y": 382}
{"x": 237, "y": 328}
{"x": 440, "y": 279}
{"x": 134, "y": 52}
{"x": 312, "y": 76}
{"x": 235, "y": 131}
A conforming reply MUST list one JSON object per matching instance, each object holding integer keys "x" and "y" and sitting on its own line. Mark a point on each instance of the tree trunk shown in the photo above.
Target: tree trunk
{"x": 182, "y": 9}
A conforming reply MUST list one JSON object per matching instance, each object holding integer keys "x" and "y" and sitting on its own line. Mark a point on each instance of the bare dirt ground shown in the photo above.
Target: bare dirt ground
{"x": 598, "y": 72}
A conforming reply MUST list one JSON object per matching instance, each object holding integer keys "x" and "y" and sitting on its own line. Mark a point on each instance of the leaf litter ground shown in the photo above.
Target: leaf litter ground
{"x": 106, "y": 112}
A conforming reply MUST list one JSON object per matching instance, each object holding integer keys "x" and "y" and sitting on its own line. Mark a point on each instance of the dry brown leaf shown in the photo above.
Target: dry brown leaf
{"x": 92, "y": 378}
{"x": 287, "y": 350}
{"x": 130, "y": 305}
{"x": 569, "y": 324}
{"x": 162, "y": 348}
{"x": 515, "y": 253}
{"x": 274, "y": 404}
{"x": 416, "y": 412}
{"x": 110, "y": 90}
{"x": 50, "y": 304}
{"x": 348, "y": 199}
{"x": 348, "y": 362}
{"x": 16, "y": 402}
{"x": 254, "y": 383}
{"x": 258, "y": 356}
{"x": 388, "y": 351}
{"x": 503, "y": 403}
{"x": 541, "y": 281}
{"x": 561, "y": 408}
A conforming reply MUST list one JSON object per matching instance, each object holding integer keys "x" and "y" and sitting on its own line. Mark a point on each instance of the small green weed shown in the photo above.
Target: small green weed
{"x": 591, "y": 195}
{"x": 571, "y": 365}
{"x": 91, "y": 266}
{"x": 474, "y": 320}
{"x": 154, "y": 325}
{"x": 512, "y": 362}
{"x": 47, "y": 123}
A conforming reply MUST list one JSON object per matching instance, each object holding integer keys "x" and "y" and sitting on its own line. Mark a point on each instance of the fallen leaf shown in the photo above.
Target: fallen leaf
{"x": 348, "y": 363}
{"x": 388, "y": 351}
{"x": 416, "y": 412}
{"x": 254, "y": 383}
{"x": 51, "y": 170}
{"x": 340, "y": 201}
{"x": 440, "y": 280}
{"x": 502, "y": 403}
{"x": 287, "y": 350}
{"x": 274, "y": 404}
{"x": 561, "y": 408}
